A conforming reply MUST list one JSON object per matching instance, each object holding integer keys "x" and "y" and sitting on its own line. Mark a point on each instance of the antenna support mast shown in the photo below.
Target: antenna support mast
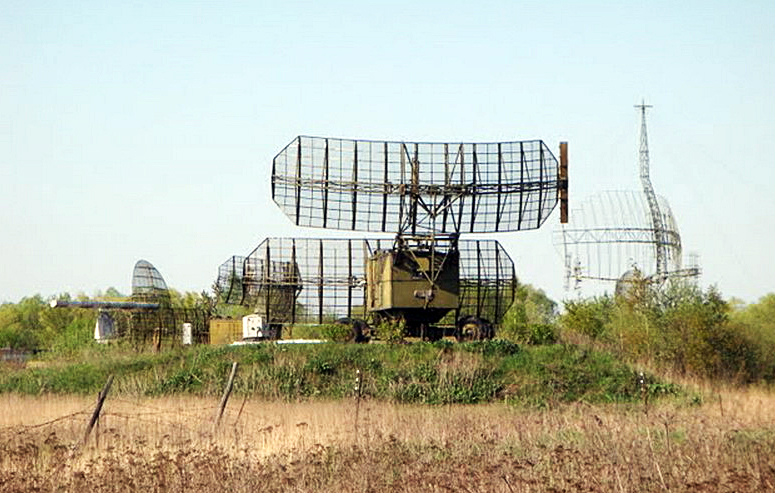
{"x": 651, "y": 197}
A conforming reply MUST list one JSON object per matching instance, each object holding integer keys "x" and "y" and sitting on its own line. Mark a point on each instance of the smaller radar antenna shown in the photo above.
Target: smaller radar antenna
{"x": 613, "y": 230}
{"x": 147, "y": 317}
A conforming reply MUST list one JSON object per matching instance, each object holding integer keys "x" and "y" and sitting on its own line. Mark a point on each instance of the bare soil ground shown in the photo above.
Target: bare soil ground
{"x": 169, "y": 444}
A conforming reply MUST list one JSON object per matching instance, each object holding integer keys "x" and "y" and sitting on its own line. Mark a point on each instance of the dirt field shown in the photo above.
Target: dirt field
{"x": 169, "y": 444}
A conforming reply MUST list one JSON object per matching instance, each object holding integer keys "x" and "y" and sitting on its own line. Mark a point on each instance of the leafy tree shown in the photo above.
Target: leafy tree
{"x": 191, "y": 300}
{"x": 757, "y": 322}
{"x": 20, "y": 325}
{"x": 759, "y": 317}
{"x": 112, "y": 294}
{"x": 678, "y": 325}
{"x": 591, "y": 318}
{"x": 531, "y": 319}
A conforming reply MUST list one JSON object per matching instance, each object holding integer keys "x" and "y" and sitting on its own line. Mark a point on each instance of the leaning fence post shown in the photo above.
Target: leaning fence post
{"x": 226, "y": 393}
{"x": 96, "y": 414}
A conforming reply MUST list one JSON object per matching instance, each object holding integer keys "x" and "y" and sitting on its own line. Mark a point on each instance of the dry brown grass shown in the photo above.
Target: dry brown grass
{"x": 726, "y": 444}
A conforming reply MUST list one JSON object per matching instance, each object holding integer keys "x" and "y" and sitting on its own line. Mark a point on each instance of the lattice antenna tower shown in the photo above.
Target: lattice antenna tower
{"x": 651, "y": 198}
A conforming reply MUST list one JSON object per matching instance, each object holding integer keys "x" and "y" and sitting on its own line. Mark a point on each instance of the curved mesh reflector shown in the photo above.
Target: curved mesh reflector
{"x": 312, "y": 280}
{"x": 401, "y": 187}
{"x": 611, "y": 232}
{"x": 146, "y": 279}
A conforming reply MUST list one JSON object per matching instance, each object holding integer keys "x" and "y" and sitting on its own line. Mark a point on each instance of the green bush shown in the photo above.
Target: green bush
{"x": 20, "y": 325}
{"x": 336, "y": 332}
{"x": 303, "y": 331}
{"x": 531, "y": 319}
{"x": 391, "y": 330}
{"x": 76, "y": 335}
{"x": 541, "y": 334}
{"x": 32, "y": 324}
{"x": 756, "y": 323}
{"x": 678, "y": 326}
{"x": 495, "y": 347}
{"x": 15, "y": 337}
{"x": 591, "y": 318}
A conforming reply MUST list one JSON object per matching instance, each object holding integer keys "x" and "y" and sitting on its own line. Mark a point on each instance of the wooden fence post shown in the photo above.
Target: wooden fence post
{"x": 358, "y": 392}
{"x": 226, "y": 393}
{"x": 96, "y": 414}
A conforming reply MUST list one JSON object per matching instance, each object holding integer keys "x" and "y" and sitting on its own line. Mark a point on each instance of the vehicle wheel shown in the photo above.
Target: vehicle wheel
{"x": 473, "y": 328}
{"x": 360, "y": 329}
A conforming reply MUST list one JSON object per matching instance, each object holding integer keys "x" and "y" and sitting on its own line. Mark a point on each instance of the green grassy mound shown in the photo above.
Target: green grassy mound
{"x": 426, "y": 373}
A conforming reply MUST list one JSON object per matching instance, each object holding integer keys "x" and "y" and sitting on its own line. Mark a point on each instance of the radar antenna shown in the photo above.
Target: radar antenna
{"x": 426, "y": 194}
{"x": 615, "y": 231}
{"x": 410, "y": 188}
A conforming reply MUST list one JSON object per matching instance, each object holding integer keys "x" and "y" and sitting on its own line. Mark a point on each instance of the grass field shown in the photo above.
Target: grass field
{"x": 169, "y": 444}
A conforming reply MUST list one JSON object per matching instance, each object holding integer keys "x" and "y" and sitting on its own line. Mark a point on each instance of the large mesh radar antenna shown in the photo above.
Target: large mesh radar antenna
{"x": 611, "y": 233}
{"x": 411, "y": 188}
{"x": 426, "y": 278}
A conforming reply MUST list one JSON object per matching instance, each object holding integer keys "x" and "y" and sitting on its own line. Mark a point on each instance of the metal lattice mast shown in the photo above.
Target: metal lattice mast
{"x": 651, "y": 197}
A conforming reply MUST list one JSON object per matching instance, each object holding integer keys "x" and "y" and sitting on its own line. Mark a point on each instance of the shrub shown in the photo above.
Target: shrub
{"x": 79, "y": 333}
{"x": 336, "y": 332}
{"x": 391, "y": 330}
{"x": 531, "y": 319}
{"x": 588, "y": 317}
{"x": 678, "y": 326}
{"x": 303, "y": 331}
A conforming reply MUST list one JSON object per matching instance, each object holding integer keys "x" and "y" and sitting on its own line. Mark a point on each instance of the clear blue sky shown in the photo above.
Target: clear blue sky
{"x": 136, "y": 130}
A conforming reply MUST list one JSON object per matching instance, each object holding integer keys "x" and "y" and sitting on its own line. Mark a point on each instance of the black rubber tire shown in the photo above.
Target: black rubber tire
{"x": 360, "y": 329}
{"x": 473, "y": 328}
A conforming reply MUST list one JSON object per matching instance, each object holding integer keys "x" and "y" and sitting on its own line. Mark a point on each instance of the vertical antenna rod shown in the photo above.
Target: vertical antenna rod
{"x": 651, "y": 197}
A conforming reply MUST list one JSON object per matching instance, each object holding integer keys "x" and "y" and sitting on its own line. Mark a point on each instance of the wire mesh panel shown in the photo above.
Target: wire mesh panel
{"x": 165, "y": 324}
{"x": 403, "y": 187}
{"x": 487, "y": 280}
{"x": 327, "y": 279}
{"x": 147, "y": 282}
{"x": 611, "y": 232}
{"x": 229, "y": 284}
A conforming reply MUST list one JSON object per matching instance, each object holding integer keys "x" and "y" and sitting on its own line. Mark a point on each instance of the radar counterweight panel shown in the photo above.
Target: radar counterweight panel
{"x": 417, "y": 188}
{"x": 312, "y": 280}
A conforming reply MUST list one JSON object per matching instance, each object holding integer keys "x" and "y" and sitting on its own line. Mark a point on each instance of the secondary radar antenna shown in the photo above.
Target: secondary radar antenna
{"x": 147, "y": 315}
{"x": 620, "y": 235}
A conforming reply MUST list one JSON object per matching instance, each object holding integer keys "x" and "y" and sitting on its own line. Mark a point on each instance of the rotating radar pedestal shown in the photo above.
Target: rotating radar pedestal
{"x": 425, "y": 195}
